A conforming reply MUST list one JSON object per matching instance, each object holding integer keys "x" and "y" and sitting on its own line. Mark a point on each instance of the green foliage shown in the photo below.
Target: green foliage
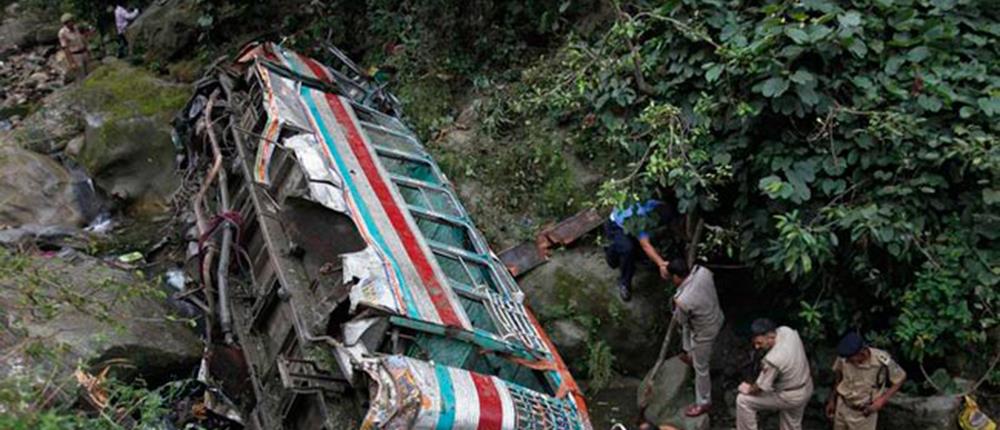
{"x": 599, "y": 365}
{"x": 129, "y": 406}
{"x": 851, "y": 147}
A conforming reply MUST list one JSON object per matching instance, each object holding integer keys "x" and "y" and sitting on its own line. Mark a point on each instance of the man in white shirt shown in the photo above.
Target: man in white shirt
{"x": 123, "y": 17}
{"x": 784, "y": 383}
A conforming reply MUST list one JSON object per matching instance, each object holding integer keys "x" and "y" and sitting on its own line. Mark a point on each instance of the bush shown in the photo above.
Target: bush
{"x": 847, "y": 150}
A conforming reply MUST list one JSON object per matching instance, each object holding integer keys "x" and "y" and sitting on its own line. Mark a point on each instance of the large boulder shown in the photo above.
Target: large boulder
{"x": 165, "y": 30}
{"x": 83, "y": 312}
{"x": 23, "y": 28}
{"x": 35, "y": 190}
{"x": 127, "y": 148}
{"x": 920, "y": 413}
{"x": 574, "y": 292}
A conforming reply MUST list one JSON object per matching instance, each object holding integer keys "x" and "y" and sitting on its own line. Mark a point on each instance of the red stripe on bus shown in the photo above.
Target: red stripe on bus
{"x": 317, "y": 69}
{"x": 396, "y": 218}
{"x": 490, "y": 408}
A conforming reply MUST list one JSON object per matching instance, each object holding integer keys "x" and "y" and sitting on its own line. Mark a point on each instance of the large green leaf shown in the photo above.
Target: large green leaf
{"x": 774, "y": 87}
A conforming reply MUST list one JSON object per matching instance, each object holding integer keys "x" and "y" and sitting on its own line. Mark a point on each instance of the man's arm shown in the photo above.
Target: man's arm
{"x": 650, "y": 251}
{"x": 882, "y": 400}
{"x": 831, "y": 402}
{"x": 765, "y": 381}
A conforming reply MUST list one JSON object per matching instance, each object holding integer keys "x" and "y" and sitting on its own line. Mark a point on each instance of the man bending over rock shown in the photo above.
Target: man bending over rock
{"x": 784, "y": 383}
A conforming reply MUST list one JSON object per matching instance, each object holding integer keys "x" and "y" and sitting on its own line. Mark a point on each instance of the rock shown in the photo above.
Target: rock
{"x": 571, "y": 337}
{"x": 920, "y": 413}
{"x": 48, "y": 129}
{"x": 85, "y": 311}
{"x": 128, "y": 149}
{"x": 74, "y": 146}
{"x": 672, "y": 391}
{"x": 26, "y": 28}
{"x": 166, "y": 30}
{"x": 578, "y": 285}
{"x": 35, "y": 190}
{"x": 131, "y": 159}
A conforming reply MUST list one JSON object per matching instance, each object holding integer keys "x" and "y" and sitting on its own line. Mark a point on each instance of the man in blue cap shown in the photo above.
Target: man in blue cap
{"x": 866, "y": 378}
{"x": 627, "y": 230}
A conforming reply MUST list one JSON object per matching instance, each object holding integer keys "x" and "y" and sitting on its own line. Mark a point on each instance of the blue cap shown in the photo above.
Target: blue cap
{"x": 851, "y": 344}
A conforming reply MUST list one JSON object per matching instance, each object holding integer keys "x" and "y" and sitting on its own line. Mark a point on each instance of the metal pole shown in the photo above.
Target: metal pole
{"x": 222, "y": 275}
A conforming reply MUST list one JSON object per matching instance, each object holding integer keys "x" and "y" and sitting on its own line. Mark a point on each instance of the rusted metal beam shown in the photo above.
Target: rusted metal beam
{"x": 522, "y": 258}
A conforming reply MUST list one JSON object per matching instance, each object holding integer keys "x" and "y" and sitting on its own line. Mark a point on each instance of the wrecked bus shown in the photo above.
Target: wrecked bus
{"x": 345, "y": 284}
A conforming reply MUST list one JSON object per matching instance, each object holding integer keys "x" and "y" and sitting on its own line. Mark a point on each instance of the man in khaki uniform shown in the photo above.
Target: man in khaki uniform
{"x": 696, "y": 307}
{"x": 74, "y": 46}
{"x": 784, "y": 383}
{"x": 866, "y": 378}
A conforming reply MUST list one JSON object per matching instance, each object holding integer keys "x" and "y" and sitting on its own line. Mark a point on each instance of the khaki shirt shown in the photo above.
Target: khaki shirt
{"x": 861, "y": 384}
{"x": 785, "y": 368}
{"x": 72, "y": 40}
{"x": 698, "y": 306}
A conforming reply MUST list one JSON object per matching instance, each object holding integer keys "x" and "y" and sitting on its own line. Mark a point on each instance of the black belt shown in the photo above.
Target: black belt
{"x": 850, "y": 405}
{"x": 78, "y": 52}
{"x": 795, "y": 388}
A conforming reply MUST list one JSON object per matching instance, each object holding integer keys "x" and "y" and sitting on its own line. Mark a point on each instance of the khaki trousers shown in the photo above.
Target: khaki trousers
{"x": 850, "y": 419}
{"x": 791, "y": 408}
{"x": 701, "y": 360}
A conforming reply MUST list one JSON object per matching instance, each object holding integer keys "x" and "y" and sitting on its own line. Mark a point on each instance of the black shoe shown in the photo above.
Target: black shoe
{"x": 624, "y": 292}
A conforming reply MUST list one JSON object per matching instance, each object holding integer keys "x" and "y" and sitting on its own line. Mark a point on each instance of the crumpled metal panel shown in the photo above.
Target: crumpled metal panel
{"x": 281, "y": 107}
{"x": 325, "y": 188}
{"x": 413, "y": 394}
{"x": 373, "y": 286}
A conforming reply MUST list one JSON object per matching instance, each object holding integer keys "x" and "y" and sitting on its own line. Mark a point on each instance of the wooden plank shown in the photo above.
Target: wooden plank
{"x": 570, "y": 229}
{"x": 522, "y": 258}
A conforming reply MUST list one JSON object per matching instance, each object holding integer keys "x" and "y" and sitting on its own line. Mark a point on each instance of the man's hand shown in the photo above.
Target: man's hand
{"x": 876, "y": 406}
{"x": 745, "y": 388}
{"x": 831, "y": 409}
{"x": 664, "y": 273}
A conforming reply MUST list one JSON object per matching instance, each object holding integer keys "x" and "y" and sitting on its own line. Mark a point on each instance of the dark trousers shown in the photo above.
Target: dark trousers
{"x": 622, "y": 252}
{"x": 122, "y": 46}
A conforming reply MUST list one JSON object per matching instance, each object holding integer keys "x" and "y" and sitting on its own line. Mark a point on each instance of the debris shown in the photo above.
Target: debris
{"x": 100, "y": 225}
{"x": 131, "y": 257}
{"x": 522, "y": 258}
{"x": 176, "y": 279}
{"x": 92, "y": 388}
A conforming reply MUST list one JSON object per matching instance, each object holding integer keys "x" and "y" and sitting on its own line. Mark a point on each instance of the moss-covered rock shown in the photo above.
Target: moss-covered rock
{"x": 576, "y": 285}
{"x": 123, "y": 91}
{"x": 128, "y": 148}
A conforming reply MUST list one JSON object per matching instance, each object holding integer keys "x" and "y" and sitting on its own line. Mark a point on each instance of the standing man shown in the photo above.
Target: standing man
{"x": 696, "y": 307}
{"x": 74, "y": 46}
{"x": 123, "y": 17}
{"x": 866, "y": 378}
{"x": 784, "y": 383}
{"x": 628, "y": 231}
